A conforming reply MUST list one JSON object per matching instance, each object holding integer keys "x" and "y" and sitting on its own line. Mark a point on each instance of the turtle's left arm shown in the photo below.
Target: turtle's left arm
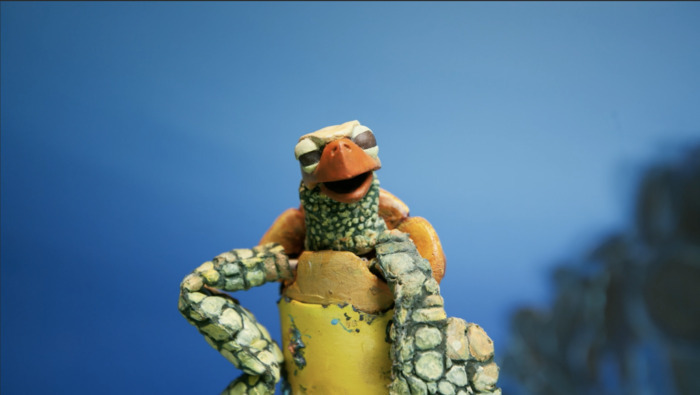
{"x": 396, "y": 215}
{"x": 430, "y": 353}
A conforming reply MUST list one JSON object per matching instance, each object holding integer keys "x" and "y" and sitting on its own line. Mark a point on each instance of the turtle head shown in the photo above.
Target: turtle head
{"x": 339, "y": 159}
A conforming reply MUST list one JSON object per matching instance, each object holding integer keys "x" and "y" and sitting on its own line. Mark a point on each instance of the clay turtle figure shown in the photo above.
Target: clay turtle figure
{"x": 361, "y": 310}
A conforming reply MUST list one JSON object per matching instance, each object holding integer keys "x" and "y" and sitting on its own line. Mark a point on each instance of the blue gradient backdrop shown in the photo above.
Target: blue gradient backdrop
{"x": 141, "y": 139}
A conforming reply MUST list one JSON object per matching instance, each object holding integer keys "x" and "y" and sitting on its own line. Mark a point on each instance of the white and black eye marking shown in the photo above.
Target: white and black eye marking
{"x": 310, "y": 158}
{"x": 364, "y": 138}
{"x": 308, "y": 154}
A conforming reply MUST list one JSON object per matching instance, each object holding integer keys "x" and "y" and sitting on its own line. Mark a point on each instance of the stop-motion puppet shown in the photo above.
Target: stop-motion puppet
{"x": 360, "y": 309}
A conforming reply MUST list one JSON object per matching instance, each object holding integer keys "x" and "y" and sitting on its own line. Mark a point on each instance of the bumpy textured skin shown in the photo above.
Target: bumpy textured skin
{"x": 332, "y": 225}
{"x": 431, "y": 354}
{"x": 228, "y": 327}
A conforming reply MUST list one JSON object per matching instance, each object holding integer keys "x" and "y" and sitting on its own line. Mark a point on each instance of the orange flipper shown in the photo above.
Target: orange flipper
{"x": 289, "y": 230}
{"x": 427, "y": 242}
{"x": 391, "y": 209}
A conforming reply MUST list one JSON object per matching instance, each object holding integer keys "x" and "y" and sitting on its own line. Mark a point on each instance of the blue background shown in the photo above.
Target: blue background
{"x": 141, "y": 139}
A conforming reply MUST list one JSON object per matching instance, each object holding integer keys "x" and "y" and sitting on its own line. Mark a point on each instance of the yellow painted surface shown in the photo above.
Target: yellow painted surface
{"x": 345, "y": 351}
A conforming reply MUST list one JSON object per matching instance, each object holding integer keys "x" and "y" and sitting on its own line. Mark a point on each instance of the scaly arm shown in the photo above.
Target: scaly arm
{"x": 230, "y": 328}
{"x": 430, "y": 352}
{"x": 396, "y": 215}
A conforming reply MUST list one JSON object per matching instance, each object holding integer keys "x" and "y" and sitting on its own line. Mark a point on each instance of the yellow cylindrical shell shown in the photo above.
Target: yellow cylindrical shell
{"x": 332, "y": 277}
{"x": 335, "y": 349}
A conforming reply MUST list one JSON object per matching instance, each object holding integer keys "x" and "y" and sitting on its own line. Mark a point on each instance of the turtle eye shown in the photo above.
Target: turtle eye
{"x": 365, "y": 140}
{"x": 308, "y": 153}
{"x": 310, "y": 158}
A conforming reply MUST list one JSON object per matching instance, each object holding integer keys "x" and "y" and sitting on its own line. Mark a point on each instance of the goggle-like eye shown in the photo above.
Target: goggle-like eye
{"x": 308, "y": 153}
{"x": 365, "y": 140}
{"x": 310, "y": 158}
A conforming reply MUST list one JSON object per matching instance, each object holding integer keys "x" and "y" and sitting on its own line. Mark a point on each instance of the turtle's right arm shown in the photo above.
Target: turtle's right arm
{"x": 230, "y": 328}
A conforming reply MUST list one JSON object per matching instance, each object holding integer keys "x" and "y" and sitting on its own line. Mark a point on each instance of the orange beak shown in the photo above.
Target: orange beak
{"x": 344, "y": 171}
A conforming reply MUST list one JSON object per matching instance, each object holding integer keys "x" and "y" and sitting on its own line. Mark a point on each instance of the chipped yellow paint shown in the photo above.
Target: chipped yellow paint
{"x": 345, "y": 351}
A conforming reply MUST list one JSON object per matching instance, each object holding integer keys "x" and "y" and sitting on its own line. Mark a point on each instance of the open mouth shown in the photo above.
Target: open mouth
{"x": 347, "y": 186}
{"x": 350, "y": 190}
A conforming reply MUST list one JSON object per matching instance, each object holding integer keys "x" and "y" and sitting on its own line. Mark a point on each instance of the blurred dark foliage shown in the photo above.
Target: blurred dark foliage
{"x": 625, "y": 317}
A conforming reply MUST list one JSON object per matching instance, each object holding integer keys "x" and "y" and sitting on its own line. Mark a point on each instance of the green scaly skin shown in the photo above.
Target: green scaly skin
{"x": 430, "y": 353}
{"x": 332, "y": 225}
{"x": 230, "y": 328}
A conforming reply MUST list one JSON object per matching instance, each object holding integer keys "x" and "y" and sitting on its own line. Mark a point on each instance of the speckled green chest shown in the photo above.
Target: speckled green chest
{"x": 332, "y": 225}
